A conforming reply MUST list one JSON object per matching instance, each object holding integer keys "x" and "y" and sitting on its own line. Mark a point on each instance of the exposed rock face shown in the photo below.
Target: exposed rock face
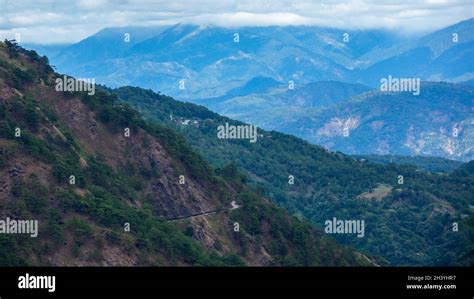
{"x": 339, "y": 126}
{"x": 16, "y": 170}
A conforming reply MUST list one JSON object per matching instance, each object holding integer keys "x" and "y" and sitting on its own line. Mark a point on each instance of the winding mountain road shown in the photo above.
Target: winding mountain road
{"x": 233, "y": 204}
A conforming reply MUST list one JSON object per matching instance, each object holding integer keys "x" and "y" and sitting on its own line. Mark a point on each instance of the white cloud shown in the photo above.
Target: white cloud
{"x": 246, "y": 18}
{"x": 91, "y": 4}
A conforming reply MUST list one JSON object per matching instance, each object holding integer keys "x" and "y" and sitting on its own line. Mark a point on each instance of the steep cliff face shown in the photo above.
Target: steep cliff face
{"x": 108, "y": 188}
{"x": 171, "y": 196}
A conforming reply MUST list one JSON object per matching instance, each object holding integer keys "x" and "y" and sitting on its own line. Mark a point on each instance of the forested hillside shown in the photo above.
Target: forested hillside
{"x": 432, "y": 164}
{"x": 409, "y": 214}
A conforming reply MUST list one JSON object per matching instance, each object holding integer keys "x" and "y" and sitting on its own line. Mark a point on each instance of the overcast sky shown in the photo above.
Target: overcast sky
{"x": 46, "y": 21}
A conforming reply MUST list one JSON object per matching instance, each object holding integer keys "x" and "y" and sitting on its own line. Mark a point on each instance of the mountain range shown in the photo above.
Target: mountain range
{"x": 213, "y": 61}
{"x": 295, "y": 79}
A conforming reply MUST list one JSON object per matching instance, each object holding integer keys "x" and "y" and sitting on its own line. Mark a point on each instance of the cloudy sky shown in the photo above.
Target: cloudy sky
{"x": 47, "y": 21}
